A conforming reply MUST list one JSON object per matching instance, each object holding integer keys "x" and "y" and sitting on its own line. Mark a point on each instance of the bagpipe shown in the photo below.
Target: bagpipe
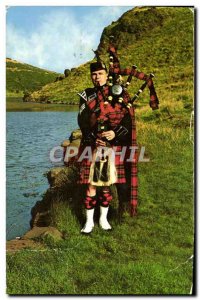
{"x": 103, "y": 171}
{"x": 116, "y": 86}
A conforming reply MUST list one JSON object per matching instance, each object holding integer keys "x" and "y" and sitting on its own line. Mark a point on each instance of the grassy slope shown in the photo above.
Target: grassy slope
{"x": 17, "y": 104}
{"x": 141, "y": 255}
{"x": 137, "y": 256}
{"x": 21, "y": 77}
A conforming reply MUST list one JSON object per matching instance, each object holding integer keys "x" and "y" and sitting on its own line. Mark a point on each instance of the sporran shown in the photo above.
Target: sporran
{"x": 102, "y": 170}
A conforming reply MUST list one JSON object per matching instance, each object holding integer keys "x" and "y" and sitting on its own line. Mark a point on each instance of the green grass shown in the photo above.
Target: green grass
{"x": 21, "y": 77}
{"x": 140, "y": 255}
{"x": 17, "y": 104}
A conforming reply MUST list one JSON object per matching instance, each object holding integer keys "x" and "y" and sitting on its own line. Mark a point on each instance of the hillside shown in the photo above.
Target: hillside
{"x": 158, "y": 40}
{"x": 22, "y": 78}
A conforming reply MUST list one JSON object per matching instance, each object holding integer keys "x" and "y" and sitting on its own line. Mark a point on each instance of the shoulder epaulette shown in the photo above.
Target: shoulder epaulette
{"x": 83, "y": 95}
{"x": 88, "y": 94}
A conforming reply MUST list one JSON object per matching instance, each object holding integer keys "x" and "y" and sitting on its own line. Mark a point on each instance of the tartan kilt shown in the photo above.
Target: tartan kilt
{"x": 84, "y": 168}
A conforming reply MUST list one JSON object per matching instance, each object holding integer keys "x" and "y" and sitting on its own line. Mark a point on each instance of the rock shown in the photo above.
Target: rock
{"x": 65, "y": 143}
{"x": 36, "y": 232}
{"x": 63, "y": 181}
{"x": 76, "y": 134}
{"x": 75, "y": 143}
{"x": 27, "y": 240}
{"x": 52, "y": 174}
{"x": 54, "y": 236}
{"x": 41, "y": 212}
{"x": 16, "y": 245}
{"x": 62, "y": 175}
{"x": 58, "y": 78}
{"x": 66, "y": 72}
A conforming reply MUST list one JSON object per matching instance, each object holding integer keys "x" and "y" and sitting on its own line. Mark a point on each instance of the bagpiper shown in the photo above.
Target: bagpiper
{"x": 107, "y": 122}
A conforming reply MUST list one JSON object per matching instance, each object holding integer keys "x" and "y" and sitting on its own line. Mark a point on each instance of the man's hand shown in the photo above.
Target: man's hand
{"x": 109, "y": 135}
{"x": 100, "y": 143}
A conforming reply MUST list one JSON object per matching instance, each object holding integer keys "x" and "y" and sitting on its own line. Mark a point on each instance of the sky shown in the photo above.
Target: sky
{"x": 57, "y": 37}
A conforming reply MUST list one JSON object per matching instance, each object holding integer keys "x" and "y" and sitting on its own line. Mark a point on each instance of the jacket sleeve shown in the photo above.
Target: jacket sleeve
{"x": 84, "y": 116}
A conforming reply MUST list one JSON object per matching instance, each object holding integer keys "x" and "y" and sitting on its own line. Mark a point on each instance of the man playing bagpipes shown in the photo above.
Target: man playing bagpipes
{"x": 106, "y": 119}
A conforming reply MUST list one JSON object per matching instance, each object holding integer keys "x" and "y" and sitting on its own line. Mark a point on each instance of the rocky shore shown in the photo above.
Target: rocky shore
{"x": 62, "y": 187}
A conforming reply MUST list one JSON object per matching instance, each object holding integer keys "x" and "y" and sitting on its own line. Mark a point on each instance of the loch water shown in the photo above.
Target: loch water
{"x": 30, "y": 138}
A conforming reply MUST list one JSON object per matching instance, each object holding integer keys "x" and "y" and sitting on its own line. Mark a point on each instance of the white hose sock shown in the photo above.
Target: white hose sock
{"x": 103, "y": 222}
{"x": 89, "y": 221}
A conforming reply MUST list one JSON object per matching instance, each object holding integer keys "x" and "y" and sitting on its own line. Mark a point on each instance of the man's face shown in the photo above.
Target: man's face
{"x": 99, "y": 77}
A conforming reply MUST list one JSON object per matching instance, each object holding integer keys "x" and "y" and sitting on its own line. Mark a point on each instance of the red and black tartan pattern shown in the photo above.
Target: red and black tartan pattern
{"x": 105, "y": 197}
{"x": 134, "y": 169}
{"x": 114, "y": 115}
{"x": 116, "y": 69}
{"x": 90, "y": 202}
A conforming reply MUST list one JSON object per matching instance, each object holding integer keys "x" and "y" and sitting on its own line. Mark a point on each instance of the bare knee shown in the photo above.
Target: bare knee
{"x": 91, "y": 190}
